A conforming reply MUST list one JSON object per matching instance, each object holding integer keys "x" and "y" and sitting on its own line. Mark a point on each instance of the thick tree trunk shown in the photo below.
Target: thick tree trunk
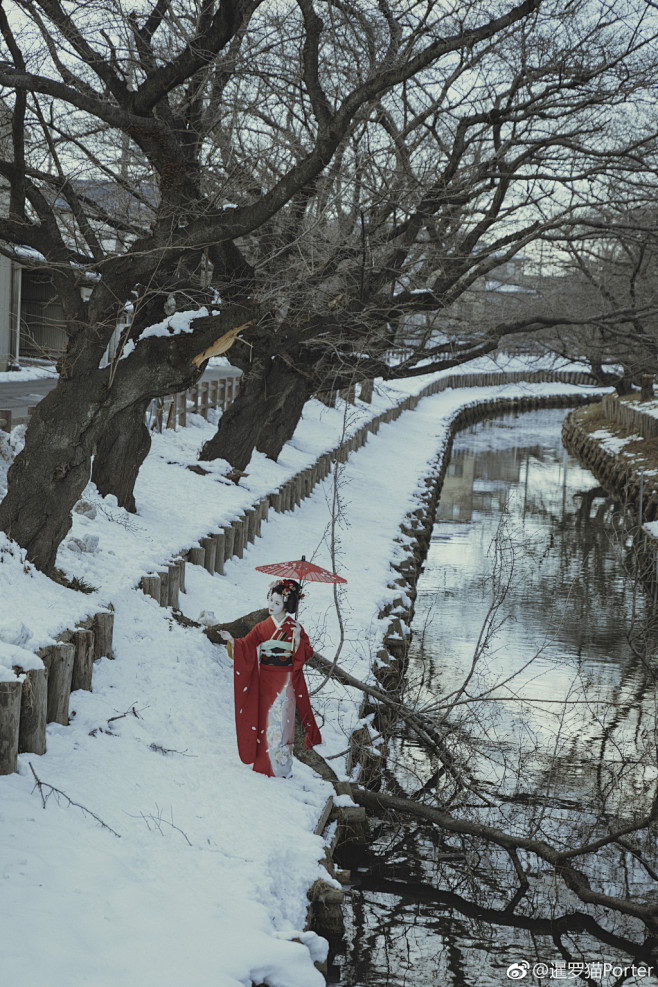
{"x": 366, "y": 389}
{"x": 239, "y": 426}
{"x": 120, "y": 452}
{"x": 264, "y": 415}
{"x": 49, "y": 475}
{"x": 281, "y": 425}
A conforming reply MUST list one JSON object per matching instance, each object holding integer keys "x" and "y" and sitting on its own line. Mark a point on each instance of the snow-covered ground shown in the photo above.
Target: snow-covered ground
{"x": 31, "y": 371}
{"x": 611, "y": 442}
{"x": 201, "y": 877}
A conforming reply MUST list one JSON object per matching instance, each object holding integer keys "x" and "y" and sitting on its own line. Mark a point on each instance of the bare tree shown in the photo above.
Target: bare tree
{"x": 99, "y": 88}
{"x": 315, "y": 173}
{"x": 446, "y": 181}
{"x": 610, "y": 264}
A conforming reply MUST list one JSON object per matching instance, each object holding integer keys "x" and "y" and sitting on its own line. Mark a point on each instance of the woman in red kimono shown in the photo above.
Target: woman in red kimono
{"x": 269, "y": 684}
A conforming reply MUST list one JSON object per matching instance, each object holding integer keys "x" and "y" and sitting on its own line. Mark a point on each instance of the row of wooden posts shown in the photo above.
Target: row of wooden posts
{"x": 171, "y": 412}
{"x": 231, "y": 540}
{"x": 630, "y": 416}
{"x": 37, "y": 696}
{"x": 168, "y": 412}
{"x": 40, "y": 696}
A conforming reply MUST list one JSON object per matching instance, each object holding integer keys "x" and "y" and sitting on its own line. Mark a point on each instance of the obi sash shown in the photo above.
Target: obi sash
{"x": 277, "y": 653}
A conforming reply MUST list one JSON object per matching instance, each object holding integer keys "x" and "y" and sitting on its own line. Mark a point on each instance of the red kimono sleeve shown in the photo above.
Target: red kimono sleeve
{"x": 302, "y": 654}
{"x": 245, "y": 689}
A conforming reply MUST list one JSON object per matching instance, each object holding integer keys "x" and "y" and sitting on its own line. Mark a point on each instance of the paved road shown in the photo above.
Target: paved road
{"x": 18, "y": 396}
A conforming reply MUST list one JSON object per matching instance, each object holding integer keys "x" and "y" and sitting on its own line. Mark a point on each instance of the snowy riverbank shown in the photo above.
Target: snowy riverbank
{"x": 206, "y": 881}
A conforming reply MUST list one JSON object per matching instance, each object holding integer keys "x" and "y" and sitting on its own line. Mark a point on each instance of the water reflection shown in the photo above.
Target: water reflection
{"x": 553, "y": 729}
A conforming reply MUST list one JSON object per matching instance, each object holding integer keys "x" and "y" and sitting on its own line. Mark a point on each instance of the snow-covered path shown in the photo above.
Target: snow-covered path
{"x": 206, "y": 882}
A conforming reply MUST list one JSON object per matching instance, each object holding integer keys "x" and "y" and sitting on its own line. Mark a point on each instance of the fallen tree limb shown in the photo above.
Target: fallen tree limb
{"x": 557, "y": 925}
{"x": 420, "y": 725}
{"x": 574, "y": 879}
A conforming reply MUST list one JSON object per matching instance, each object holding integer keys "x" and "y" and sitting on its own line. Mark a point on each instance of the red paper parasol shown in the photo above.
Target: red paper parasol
{"x": 302, "y": 570}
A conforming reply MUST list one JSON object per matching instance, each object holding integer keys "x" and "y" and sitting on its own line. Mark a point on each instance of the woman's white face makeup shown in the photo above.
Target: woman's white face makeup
{"x": 276, "y": 604}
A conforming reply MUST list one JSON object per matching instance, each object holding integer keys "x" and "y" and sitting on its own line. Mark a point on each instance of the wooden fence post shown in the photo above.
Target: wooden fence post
{"x": 83, "y": 660}
{"x": 238, "y": 542}
{"x": 174, "y": 585}
{"x": 204, "y": 399}
{"x": 194, "y": 398}
{"x": 164, "y": 587}
{"x": 5, "y": 420}
{"x": 151, "y": 586}
{"x": 259, "y": 508}
{"x": 182, "y": 408}
{"x": 58, "y": 659}
{"x": 264, "y": 511}
{"x": 197, "y": 556}
{"x": 250, "y": 524}
{"x": 244, "y": 524}
{"x": 208, "y": 544}
{"x": 10, "y": 712}
{"x": 34, "y": 706}
{"x": 220, "y": 548}
{"x": 171, "y": 414}
{"x": 103, "y": 628}
{"x": 181, "y": 570}
{"x": 229, "y": 541}
{"x": 285, "y": 496}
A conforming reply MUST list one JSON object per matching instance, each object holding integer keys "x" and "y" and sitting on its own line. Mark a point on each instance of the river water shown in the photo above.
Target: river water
{"x": 533, "y": 651}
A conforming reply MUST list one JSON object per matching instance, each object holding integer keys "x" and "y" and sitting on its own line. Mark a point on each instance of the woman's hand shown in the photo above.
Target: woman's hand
{"x": 226, "y": 636}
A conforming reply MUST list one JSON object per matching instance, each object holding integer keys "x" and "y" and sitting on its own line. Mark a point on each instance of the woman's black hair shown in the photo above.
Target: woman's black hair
{"x": 289, "y": 590}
